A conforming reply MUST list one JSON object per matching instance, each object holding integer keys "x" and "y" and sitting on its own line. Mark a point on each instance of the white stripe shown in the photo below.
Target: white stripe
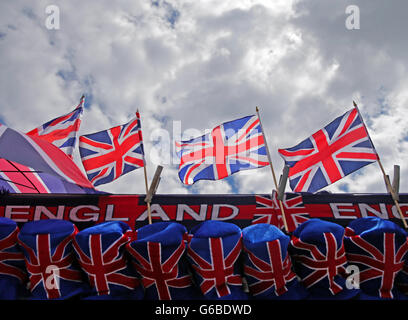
{"x": 43, "y": 183}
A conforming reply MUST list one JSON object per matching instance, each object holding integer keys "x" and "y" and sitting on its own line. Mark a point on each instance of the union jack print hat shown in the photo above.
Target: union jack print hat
{"x": 12, "y": 268}
{"x": 379, "y": 248}
{"x": 214, "y": 252}
{"x": 50, "y": 259}
{"x": 102, "y": 256}
{"x": 319, "y": 259}
{"x": 267, "y": 264}
{"x": 158, "y": 254}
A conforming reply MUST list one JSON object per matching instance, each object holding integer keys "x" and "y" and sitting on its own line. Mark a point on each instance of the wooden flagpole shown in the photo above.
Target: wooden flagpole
{"x": 386, "y": 179}
{"x": 149, "y": 213}
{"x": 273, "y": 173}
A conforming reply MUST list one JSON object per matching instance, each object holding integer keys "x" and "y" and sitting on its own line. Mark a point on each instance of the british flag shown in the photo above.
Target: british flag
{"x": 275, "y": 271}
{"x": 11, "y": 258}
{"x": 105, "y": 263}
{"x": 108, "y": 154}
{"x": 268, "y": 210}
{"x": 62, "y": 131}
{"x": 160, "y": 272}
{"x": 218, "y": 272}
{"x": 230, "y": 147}
{"x": 29, "y": 153}
{"x": 17, "y": 178}
{"x": 321, "y": 265}
{"x": 340, "y": 148}
{"x": 381, "y": 262}
{"x": 49, "y": 262}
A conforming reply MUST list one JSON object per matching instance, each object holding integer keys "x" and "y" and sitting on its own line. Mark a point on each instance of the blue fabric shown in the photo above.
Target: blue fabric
{"x": 326, "y": 239}
{"x": 372, "y": 238}
{"x": 12, "y": 269}
{"x": 214, "y": 246}
{"x": 102, "y": 255}
{"x": 272, "y": 277}
{"x": 48, "y": 243}
{"x": 158, "y": 254}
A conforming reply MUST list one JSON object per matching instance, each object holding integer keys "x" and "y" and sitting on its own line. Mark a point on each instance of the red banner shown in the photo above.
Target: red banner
{"x": 243, "y": 210}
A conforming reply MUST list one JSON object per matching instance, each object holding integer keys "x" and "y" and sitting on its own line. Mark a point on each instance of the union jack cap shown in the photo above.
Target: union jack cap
{"x": 213, "y": 252}
{"x": 379, "y": 248}
{"x": 319, "y": 259}
{"x": 267, "y": 264}
{"x": 50, "y": 259}
{"x": 102, "y": 256}
{"x": 158, "y": 254}
{"x": 12, "y": 268}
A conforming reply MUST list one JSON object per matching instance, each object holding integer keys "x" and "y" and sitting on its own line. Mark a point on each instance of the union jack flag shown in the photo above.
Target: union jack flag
{"x": 108, "y": 154}
{"x": 218, "y": 273}
{"x": 272, "y": 272}
{"x": 62, "y": 131}
{"x": 17, "y": 178}
{"x": 322, "y": 265}
{"x": 11, "y": 259}
{"x": 268, "y": 210}
{"x": 340, "y": 148}
{"x": 230, "y": 147}
{"x": 30, "y": 153}
{"x": 44, "y": 256}
{"x": 105, "y": 265}
{"x": 382, "y": 263}
{"x": 158, "y": 272}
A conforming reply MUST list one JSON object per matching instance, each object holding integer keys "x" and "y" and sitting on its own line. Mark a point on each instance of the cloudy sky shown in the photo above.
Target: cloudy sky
{"x": 188, "y": 64}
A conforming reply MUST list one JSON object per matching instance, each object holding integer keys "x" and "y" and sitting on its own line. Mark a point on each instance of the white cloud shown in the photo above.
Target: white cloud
{"x": 206, "y": 62}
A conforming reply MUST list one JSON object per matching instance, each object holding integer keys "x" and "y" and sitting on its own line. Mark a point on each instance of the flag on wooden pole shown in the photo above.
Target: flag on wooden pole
{"x": 273, "y": 172}
{"x": 340, "y": 148}
{"x": 109, "y": 154}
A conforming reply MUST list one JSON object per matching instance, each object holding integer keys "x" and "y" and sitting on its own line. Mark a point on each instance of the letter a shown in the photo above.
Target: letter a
{"x": 52, "y": 281}
{"x": 353, "y": 20}
{"x": 353, "y": 280}
{"x": 52, "y": 22}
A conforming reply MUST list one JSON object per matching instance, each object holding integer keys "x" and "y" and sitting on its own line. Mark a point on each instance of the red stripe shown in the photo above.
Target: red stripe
{"x": 302, "y": 152}
{"x": 302, "y": 181}
{"x": 57, "y": 134}
{"x": 350, "y": 119}
{"x": 357, "y": 155}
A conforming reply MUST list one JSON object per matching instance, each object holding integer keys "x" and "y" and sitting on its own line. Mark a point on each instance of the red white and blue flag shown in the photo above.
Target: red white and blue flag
{"x": 230, "y": 147}
{"x": 62, "y": 131}
{"x": 380, "y": 259}
{"x": 17, "y": 178}
{"x": 268, "y": 210}
{"x": 34, "y": 154}
{"x": 109, "y": 154}
{"x": 340, "y": 148}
